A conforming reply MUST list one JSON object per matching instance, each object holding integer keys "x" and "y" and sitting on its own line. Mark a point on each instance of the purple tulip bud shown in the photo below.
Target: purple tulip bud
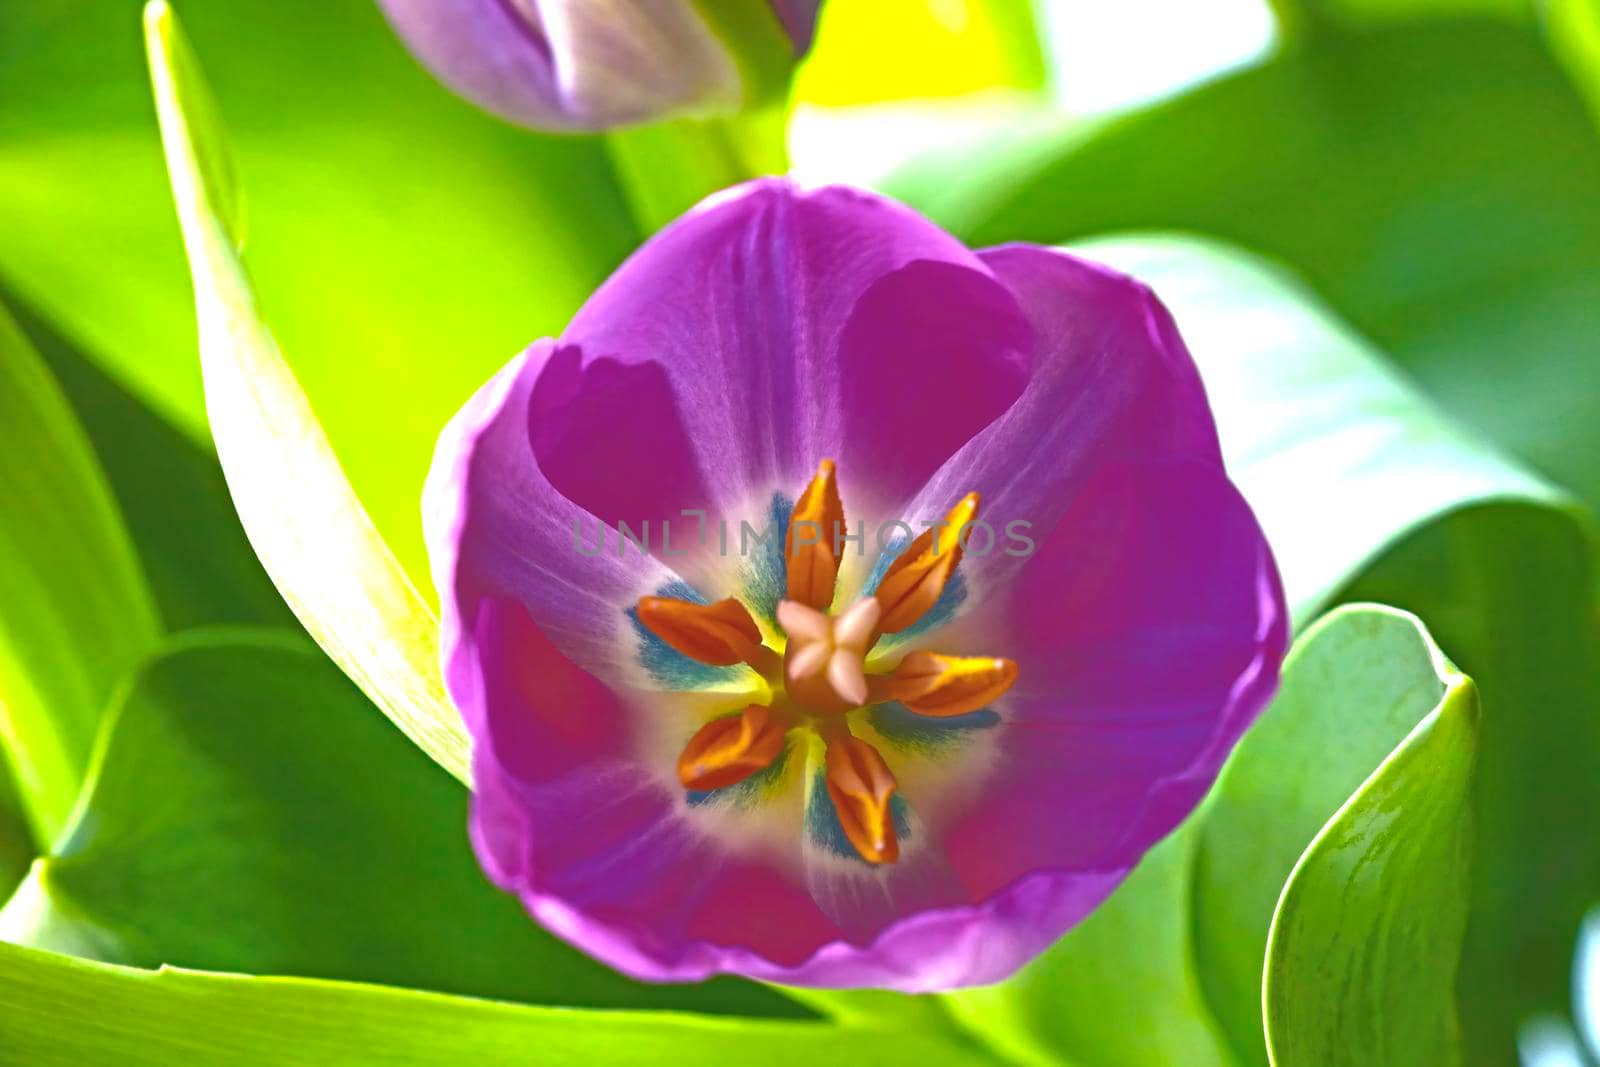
{"x": 835, "y": 605}
{"x": 588, "y": 64}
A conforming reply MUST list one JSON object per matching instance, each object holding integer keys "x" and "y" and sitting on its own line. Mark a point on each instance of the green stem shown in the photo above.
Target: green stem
{"x": 668, "y": 167}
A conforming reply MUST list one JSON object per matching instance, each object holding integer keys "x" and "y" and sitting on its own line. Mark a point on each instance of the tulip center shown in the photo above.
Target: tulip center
{"x": 820, "y": 681}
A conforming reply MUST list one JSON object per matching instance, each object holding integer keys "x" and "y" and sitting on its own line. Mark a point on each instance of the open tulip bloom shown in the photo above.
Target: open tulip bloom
{"x": 835, "y": 605}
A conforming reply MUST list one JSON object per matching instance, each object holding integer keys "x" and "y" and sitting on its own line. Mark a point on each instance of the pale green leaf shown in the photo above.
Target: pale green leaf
{"x": 1362, "y": 956}
{"x": 61, "y": 1012}
{"x": 404, "y": 243}
{"x": 1354, "y": 687}
{"x": 303, "y": 519}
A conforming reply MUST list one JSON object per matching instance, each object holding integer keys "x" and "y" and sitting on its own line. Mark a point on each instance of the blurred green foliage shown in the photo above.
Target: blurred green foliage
{"x": 1426, "y": 166}
{"x": 395, "y": 294}
{"x": 1436, "y": 182}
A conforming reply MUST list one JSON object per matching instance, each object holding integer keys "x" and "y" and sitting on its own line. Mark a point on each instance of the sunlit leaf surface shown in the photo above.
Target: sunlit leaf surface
{"x": 303, "y": 519}
{"x": 60, "y": 1012}
{"x": 1361, "y": 960}
{"x": 75, "y": 612}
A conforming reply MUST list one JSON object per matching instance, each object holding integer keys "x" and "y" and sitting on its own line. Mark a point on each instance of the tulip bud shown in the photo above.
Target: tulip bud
{"x": 596, "y": 64}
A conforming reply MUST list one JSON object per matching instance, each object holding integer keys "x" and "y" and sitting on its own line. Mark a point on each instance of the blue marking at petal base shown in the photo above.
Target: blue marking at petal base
{"x": 766, "y": 571}
{"x": 668, "y": 667}
{"x": 904, "y": 728}
{"x": 743, "y": 794}
{"x": 827, "y": 833}
{"x": 944, "y": 609}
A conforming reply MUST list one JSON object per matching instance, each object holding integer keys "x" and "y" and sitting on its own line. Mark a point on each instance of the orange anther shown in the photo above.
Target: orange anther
{"x": 810, "y": 546}
{"x": 918, "y": 576}
{"x": 930, "y": 683}
{"x": 862, "y": 787}
{"x": 729, "y": 750}
{"x": 721, "y": 634}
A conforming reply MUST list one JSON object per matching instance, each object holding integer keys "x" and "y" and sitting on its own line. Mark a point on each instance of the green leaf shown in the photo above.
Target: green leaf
{"x": 61, "y": 1012}
{"x": 1358, "y": 683}
{"x": 1361, "y": 960}
{"x": 16, "y": 840}
{"x": 1509, "y": 591}
{"x": 77, "y": 613}
{"x": 170, "y": 491}
{"x": 1300, "y": 17}
{"x": 304, "y": 520}
{"x": 1435, "y": 182}
{"x": 395, "y": 295}
{"x": 294, "y": 832}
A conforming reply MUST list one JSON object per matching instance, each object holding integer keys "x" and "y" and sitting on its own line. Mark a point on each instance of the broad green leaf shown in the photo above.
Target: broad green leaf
{"x": 1509, "y": 591}
{"x": 1574, "y": 27}
{"x": 62, "y": 1012}
{"x": 1361, "y": 960}
{"x": 1300, "y": 17}
{"x": 303, "y": 519}
{"x": 874, "y": 50}
{"x": 172, "y": 496}
{"x": 249, "y": 811}
{"x": 405, "y": 244}
{"x": 77, "y": 613}
{"x": 16, "y": 840}
{"x": 1357, "y": 684}
{"x": 1434, "y": 181}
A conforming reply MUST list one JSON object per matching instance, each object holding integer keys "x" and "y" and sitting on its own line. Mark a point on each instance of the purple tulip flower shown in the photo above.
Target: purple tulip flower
{"x": 910, "y": 755}
{"x": 585, "y": 64}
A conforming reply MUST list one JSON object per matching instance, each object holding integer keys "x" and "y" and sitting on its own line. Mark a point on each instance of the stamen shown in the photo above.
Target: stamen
{"x": 861, "y": 787}
{"x": 937, "y": 685}
{"x": 813, "y": 564}
{"x": 720, "y": 634}
{"x": 917, "y": 577}
{"x": 726, "y": 751}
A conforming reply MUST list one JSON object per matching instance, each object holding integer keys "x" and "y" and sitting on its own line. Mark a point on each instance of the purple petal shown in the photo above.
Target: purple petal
{"x": 1148, "y": 629}
{"x": 1111, "y": 383}
{"x": 571, "y": 64}
{"x": 793, "y": 326}
{"x": 496, "y": 528}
